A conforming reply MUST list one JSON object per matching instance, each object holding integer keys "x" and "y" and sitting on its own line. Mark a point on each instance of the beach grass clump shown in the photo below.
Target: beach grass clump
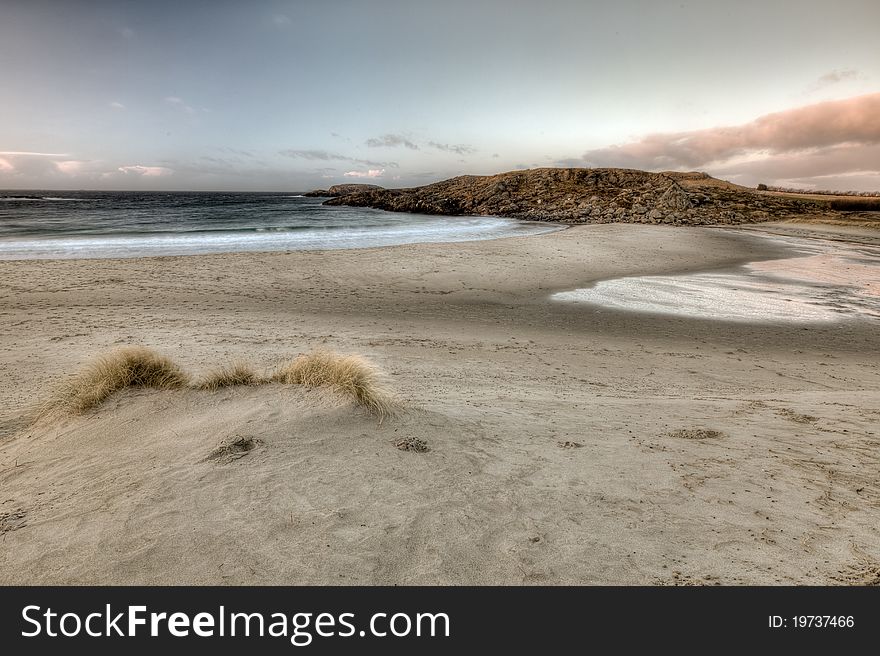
{"x": 351, "y": 375}
{"x": 234, "y": 373}
{"x": 128, "y": 366}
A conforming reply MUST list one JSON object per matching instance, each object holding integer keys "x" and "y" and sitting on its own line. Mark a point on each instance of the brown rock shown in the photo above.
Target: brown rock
{"x": 574, "y": 195}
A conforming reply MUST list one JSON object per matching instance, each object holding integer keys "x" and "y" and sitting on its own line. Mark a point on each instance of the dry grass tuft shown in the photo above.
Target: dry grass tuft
{"x": 351, "y": 375}
{"x": 129, "y": 366}
{"x": 235, "y": 373}
{"x": 137, "y": 366}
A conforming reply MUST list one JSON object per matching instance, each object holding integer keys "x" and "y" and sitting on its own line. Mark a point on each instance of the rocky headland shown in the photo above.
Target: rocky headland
{"x": 580, "y": 195}
{"x": 341, "y": 190}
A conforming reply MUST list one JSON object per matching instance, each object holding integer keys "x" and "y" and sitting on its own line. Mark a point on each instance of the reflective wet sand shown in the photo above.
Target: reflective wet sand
{"x": 823, "y": 281}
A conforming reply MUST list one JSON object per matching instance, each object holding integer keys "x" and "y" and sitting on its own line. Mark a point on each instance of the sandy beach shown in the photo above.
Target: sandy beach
{"x": 569, "y": 443}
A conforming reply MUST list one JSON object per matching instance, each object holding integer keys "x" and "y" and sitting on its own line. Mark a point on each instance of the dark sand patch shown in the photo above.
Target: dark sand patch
{"x": 12, "y": 521}
{"x": 412, "y": 444}
{"x": 232, "y": 448}
{"x": 695, "y": 434}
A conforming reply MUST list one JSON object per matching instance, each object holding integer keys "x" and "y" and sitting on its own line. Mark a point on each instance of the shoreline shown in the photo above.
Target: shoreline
{"x": 818, "y": 231}
{"x": 565, "y": 443}
{"x": 119, "y": 246}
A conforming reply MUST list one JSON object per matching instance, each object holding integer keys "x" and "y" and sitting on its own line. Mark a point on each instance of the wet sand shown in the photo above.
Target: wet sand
{"x": 819, "y": 280}
{"x": 569, "y": 443}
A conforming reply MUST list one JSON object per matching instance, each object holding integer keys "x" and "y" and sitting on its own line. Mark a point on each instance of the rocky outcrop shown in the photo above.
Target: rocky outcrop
{"x": 675, "y": 198}
{"x": 569, "y": 195}
{"x": 341, "y": 190}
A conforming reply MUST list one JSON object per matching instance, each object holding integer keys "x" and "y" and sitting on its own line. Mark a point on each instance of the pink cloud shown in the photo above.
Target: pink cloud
{"x": 833, "y": 160}
{"x": 70, "y": 166}
{"x": 145, "y": 171}
{"x": 6, "y": 166}
{"x": 28, "y": 153}
{"x": 850, "y": 121}
{"x": 372, "y": 173}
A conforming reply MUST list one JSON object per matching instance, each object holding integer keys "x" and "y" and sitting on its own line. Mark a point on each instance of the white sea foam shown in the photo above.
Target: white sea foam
{"x": 440, "y": 229}
{"x": 36, "y": 199}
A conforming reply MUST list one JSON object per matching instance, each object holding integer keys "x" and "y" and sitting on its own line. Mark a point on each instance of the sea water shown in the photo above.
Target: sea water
{"x": 91, "y": 224}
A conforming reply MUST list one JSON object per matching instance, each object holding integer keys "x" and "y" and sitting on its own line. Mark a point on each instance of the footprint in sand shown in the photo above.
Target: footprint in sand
{"x": 232, "y": 448}
{"x": 695, "y": 434}
{"x": 12, "y": 521}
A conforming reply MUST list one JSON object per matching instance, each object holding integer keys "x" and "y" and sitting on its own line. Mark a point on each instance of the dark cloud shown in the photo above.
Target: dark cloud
{"x": 391, "y": 141}
{"x": 571, "y": 162}
{"x": 458, "y": 149}
{"x": 326, "y": 156}
{"x": 236, "y": 151}
{"x": 312, "y": 154}
{"x": 838, "y": 76}
{"x": 850, "y": 121}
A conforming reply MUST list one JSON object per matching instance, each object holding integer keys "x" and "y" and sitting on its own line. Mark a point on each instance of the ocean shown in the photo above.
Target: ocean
{"x": 104, "y": 224}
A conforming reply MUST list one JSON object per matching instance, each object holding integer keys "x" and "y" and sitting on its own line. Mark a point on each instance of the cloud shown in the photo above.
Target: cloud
{"x": 326, "y": 156}
{"x": 70, "y": 166}
{"x": 281, "y": 20}
{"x": 26, "y": 153}
{"x": 174, "y": 101}
{"x": 458, "y": 149}
{"x": 37, "y": 166}
{"x": 821, "y": 162}
{"x": 322, "y": 155}
{"x": 145, "y": 171}
{"x": 850, "y": 121}
{"x": 127, "y": 33}
{"x": 236, "y": 151}
{"x": 372, "y": 173}
{"x": 837, "y": 76}
{"x": 391, "y": 141}
{"x": 569, "y": 162}
{"x": 117, "y": 105}
{"x": 854, "y": 181}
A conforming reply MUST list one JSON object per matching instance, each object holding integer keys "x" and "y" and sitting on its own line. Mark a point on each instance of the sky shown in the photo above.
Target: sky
{"x": 302, "y": 94}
